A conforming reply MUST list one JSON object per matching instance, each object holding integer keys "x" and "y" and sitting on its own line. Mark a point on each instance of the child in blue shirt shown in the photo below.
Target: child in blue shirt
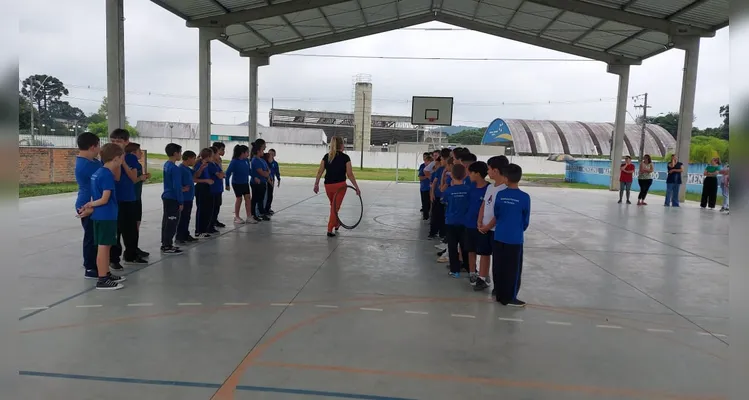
{"x": 188, "y": 192}
{"x": 238, "y": 174}
{"x": 172, "y": 199}
{"x": 475, "y": 242}
{"x": 86, "y": 164}
{"x": 216, "y": 169}
{"x": 512, "y": 212}
{"x": 456, "y": 198}
{"x": 275, "y": 179}
{"x": 204, "y": 180}
{"x": 426, "y": 203}
{"x": 437, "y": 220}
{"x": 104, "y": 213}
{"x": 259, "y": 173}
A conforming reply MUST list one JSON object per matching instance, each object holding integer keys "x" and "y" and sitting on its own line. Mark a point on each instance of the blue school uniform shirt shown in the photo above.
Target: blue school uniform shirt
{"x": 172, "y": 183}
{"x": 256, "y": 164}
{"x": 218, "y": 184}
{"x": 101, "y": 180}
{"x": 475, "y": 200}
{"x": 84, "y": 169}
{"x": 275, "y": 170}
{"x": 125, "y": 186}
{"x": 437, "y": 176}
{"x": 187, "y": 180}
{"x": 512, "y": 212}
{"x": 238, "y": 172}
{"x": 456, "y": 198}
{"x": 423, "y": 184}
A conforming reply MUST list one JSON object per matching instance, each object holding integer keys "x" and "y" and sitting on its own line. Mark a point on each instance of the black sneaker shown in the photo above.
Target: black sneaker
{"x": 116, "y": 266}
{"x": 265, "y": 218}
{"x": 494, "y": 292}
{"x": 137, "y": 261}
{"x": 440, "y": 253}
{"x": 432, "y": 237}
{"x": 257, "y": 219}
{"x": 200, "y": 236}
{"x": 473, "y": 279}
{"x": 171, "y": 250}
{"x": 220, "y": 225}
{"x": 191, "y": 239}
{"x": 143, "y": 254}
{"x": 480, "y": 285}
{"x": 331, "y": 234}
{"x": 91, "y": 274}
{"x": 213, "y": 231}
{"x": 271, "y": 212}
{"x": 108, "y": 284}
{"x": 629, "y": 202}
{"x": 116, "y": 278}
{"x": 516, "y": 303}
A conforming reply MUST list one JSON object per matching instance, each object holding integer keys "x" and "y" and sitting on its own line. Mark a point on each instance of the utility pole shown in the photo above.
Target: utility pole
{"x": 364, "y": 102}
{"x": 644, "y": 107}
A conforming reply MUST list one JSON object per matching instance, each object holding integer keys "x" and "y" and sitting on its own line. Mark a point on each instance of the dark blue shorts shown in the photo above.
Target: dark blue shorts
{"x": 477, "y": 242}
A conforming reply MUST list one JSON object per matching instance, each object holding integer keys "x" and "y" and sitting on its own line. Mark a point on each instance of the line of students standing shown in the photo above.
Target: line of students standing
{"x": 109, "y": 203}
{"x": 477, "y": 219}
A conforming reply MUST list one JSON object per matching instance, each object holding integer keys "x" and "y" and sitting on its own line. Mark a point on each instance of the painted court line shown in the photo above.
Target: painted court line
{"x": 189, "y": 304}
{"x": 711, "y": 334}
{"x": 609, "y": 326}
{"x": 325, "y": 306}
{"x": 281, "y": 304}
{"x": 511, "y": 319}
{"x": 34, "y": 308}
{"x": 660, "y": 330}
{"x": 370, "y": 309}
{"x": 89, "y": 306}
{"x": 140, "y": 305}
{"x": 417, "y": 312}
{"x": 236, "y": 304}
{"x": 246, "y": 388}
{"x": 558, "y": 323}
{"x": 462, "y": 316}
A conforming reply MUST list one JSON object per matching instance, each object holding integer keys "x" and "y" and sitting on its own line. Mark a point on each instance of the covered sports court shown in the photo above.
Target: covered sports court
{"x": 624, "y": 303}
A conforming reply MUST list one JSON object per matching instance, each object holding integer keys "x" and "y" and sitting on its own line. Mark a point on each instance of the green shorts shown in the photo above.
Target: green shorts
{"x": 105, "y": 233}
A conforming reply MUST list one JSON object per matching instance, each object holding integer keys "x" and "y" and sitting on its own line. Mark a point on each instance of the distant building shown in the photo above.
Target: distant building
{"x": 237, "y": 133}
{"x": 529, "y": 137}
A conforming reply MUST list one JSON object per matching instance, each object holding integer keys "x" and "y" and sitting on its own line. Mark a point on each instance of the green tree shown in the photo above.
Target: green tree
{"x": 24, "y": 113}
{"x": 669, "y": 122}
{"x": 43, "y": 90}
{"x": 725, "y": 125}
{"x": 98, "y": 124}
{"x": 468, "y": 136}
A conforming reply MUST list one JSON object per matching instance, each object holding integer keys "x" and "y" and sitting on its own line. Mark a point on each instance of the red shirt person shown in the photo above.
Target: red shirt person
{"x": 626, "y": 173}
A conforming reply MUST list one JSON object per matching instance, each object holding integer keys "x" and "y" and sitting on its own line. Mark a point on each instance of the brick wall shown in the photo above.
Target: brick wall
{"x": 48, "y": 165}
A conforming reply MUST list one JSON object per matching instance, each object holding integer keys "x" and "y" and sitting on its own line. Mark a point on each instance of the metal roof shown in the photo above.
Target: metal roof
{"x": 611, "y": 31}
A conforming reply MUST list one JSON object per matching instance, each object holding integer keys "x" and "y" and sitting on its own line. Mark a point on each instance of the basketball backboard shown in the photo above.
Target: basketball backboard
{"x": 427, "y": 110}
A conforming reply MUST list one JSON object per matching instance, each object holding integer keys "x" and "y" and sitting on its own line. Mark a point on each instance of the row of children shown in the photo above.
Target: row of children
{"x": 109, "y": 203}
{"x": 477, "y": 218}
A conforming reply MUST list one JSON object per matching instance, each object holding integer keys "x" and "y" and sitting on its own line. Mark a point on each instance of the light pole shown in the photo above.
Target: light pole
{"x": 33, "y": 93}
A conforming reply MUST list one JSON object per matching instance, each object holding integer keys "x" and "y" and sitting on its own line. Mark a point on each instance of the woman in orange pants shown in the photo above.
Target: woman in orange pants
{"x": 337, "y": 167}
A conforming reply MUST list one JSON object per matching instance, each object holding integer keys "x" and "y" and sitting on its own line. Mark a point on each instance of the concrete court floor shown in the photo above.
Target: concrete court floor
{"x": 625, "y": 302}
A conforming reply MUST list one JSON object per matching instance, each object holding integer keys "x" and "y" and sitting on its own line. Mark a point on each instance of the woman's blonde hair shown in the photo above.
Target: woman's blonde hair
{"x": 335, "y": 143}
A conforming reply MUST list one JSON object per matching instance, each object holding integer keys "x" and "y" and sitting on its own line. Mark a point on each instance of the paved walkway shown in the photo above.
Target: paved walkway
{"x": 625, "y": 302}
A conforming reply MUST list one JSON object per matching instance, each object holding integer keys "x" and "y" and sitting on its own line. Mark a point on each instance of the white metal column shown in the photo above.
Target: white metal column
{"x": 255, "y": 63}
{"x": 691, "y": 47}
{"x": 205, "y": 36}
{"x": 115, "y": 37}
{"x": 617, "y": 140}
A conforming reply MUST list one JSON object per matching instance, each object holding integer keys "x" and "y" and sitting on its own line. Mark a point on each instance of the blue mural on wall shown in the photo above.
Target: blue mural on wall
{"x": 497, "y": 133}
{"x": 598, "y": 172}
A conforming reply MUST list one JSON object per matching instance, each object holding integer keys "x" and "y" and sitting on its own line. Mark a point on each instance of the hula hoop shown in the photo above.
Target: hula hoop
{"x": 361, "y": 203}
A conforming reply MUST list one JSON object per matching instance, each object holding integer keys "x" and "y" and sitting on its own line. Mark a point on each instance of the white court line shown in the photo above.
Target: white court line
{"x": 370, "y": 309}
{"x": 417, "y": 312}
{"x": 140, "y": 305}
{"x": 511, "y": 319}
{"x": 236, "y": 304}
{"x": 281, "y": 304}
{"x": 89, "y": 306}
{"x": 325, "y": 306}
{"x": 711, "y": 334}
{"x": 660, "y": 330}
{"x": 462, "y": 316}
{"x": 189, "y": 304}
{"x": 558, "y": 323}
{"x": 34, "y": 308}
{"x": 609, "y": 326}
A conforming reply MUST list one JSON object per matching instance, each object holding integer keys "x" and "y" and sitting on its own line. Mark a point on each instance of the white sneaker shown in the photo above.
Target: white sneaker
{"x": 203, "y": 236}
{"x": 440, "y": 246}
{"x": 238, "y": 221}
{"x": 251, "y": 221}
{"x": 443, "y": 259}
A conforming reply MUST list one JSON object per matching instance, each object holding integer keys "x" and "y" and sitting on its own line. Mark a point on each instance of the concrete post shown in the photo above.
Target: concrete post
{"x": 617, "y": 142}
{"x": 252, "y": 112}
{"x": 691, "y": 47}
{"x": 205, "y": 36}
{"x": 115, "y": 37}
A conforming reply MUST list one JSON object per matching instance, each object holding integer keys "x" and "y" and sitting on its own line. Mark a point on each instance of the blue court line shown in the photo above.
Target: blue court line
{"x": 71, "y": 297}
{"x": 246, "y": 388}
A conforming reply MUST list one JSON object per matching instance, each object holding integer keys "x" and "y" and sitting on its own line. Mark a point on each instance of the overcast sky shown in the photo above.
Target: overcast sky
{"x": 66, "y": 39}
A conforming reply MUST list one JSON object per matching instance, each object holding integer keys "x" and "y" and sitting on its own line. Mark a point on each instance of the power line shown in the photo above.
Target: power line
{"x": 437, "y": 58}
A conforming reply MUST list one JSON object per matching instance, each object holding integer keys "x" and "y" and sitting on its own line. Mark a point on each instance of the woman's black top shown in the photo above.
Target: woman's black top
{"x": 335, "y": 172}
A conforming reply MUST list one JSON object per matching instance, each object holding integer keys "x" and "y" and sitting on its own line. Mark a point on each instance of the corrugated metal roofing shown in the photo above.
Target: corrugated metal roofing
{"x": 613, "y": 31}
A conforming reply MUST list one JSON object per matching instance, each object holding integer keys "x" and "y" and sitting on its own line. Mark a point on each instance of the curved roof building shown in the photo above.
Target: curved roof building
{"x": 576, "y": 138}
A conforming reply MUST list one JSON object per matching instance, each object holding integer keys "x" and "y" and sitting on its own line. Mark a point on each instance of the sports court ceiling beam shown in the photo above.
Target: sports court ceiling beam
{"x": 537, "y": 41}
{"x": 340, "y": 36}
{"x": 625, "y": 17}
{"x": 254, "y": 14}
